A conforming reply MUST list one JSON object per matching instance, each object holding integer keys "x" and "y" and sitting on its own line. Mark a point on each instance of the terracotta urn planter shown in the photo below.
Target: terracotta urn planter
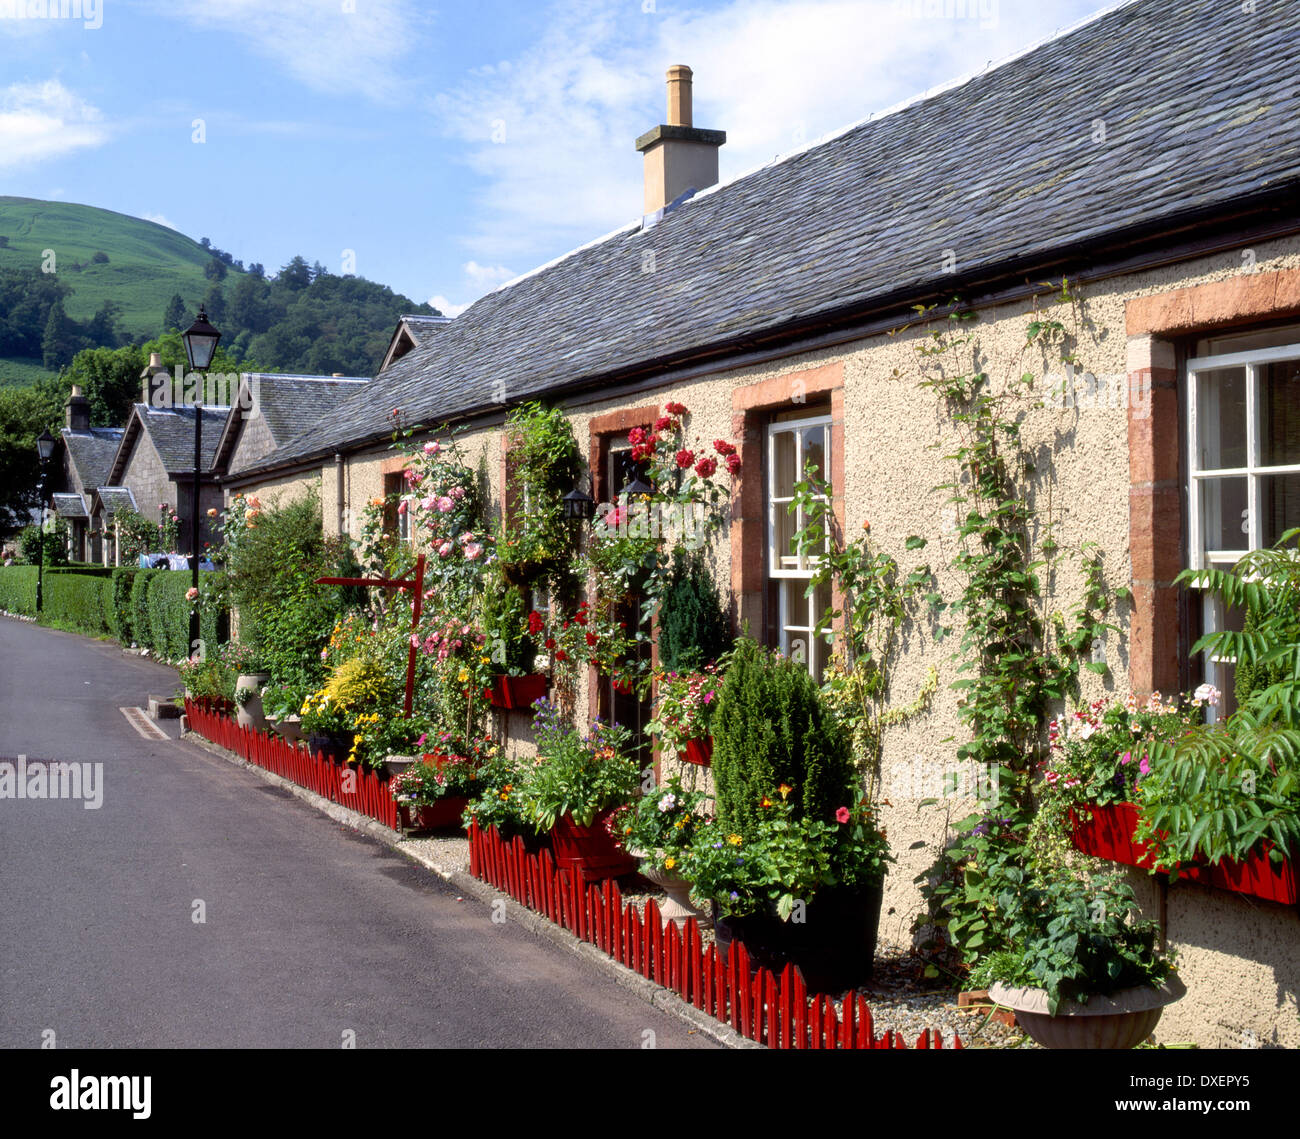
{"x": 679, "y": 906}
{"x": 250, "y": 714}
{"x": 1121, "y": 1020}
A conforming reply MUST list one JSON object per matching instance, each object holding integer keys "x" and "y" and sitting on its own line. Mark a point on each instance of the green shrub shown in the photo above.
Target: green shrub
{"x": 77, "y": 602}
{"x": 56, "y": 544}
{"x": 18, "y": 589}
{"x": 169, "y": 616}
{"x": 772, "y": 729}
{"x": 120, "y": 614}
{"x": 693, "y": 626}
{"x": 140, "y": 606}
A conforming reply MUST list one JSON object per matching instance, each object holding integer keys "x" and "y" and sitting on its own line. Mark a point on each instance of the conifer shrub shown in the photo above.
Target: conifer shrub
{"x": 771, "y": 729}
{"x": 693, "y": 625}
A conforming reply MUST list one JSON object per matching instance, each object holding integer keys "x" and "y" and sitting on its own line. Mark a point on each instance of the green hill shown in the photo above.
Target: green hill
{"x": 147, "y": 262}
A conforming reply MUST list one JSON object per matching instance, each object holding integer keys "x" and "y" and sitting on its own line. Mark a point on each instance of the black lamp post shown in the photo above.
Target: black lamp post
{"x": 44, "y": 449}
{"x": 200, "y": 346}
{"x": 578, "y": 506}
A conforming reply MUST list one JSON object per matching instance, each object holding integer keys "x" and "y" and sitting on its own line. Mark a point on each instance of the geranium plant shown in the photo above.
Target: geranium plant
{"x": 684, "y": 708}
{"x": 661, "y": 825}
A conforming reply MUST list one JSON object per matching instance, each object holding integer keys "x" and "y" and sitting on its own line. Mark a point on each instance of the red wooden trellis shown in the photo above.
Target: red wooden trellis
{"x": 776, "y": 1011}
{"x": 399, "y": 583}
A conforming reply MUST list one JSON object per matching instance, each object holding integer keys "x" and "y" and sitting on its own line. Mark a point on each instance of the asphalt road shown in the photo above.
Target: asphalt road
{"x": 310, "y": 932}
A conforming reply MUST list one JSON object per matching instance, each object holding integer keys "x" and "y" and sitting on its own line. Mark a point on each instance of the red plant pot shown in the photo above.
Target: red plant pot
{"x": 1106, "y": 831}
{"x": 446, "y": 812}
{"x": 700, "y": 751}
{"x": 589, "y": 852}
{"x": 517, "y": 692}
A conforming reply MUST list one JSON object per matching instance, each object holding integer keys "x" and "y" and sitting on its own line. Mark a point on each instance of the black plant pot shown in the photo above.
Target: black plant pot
{"x": 332, "y": 745}
{"x": 834, "y": 948}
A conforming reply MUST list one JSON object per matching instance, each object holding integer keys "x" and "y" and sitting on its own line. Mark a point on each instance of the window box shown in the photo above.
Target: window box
{"x": 517, "y": 692}
{"x": 700, "y": 751}
{"x": 589, "y": 853}
{"x": 1107, "y": 832}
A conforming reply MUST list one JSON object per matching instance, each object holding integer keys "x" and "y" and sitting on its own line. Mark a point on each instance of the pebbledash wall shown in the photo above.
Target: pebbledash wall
{"x": 1109, "y": 474}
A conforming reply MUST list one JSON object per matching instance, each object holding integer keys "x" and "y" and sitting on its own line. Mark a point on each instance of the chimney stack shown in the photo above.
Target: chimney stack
{"x": 154, "y": 366}
{"x": 678, "y": 155}
{"x": 77, "y": 411}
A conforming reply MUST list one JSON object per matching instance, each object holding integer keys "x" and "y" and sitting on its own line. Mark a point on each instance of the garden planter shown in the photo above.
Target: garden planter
{"x": 396, "y": 764}
{"x": 834, "y": 948}
{"x": 443, "y": 814}
{"x": 700, "y": 751}
{"x": 589, "y": 853}
{"x": 1121, "y": 1020}
{"x": 1107, "y": 832}
{"x": 517, "y": 692}
{"x": 250, "y": 714}
{"x": 335, "y": 746}
{"x": 290, "y": 728}
{"x": 679, "y": 906}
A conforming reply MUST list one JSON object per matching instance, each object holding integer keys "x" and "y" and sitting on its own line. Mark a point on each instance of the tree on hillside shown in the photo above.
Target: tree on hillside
{"x": 61, "y": 340}
{"x": 103, "y": 331}
{"x": 214, "y": 303}
{"x": 296, "y": 275}
{"x": 215, "y": 270}
{"x": 176, "y": 315}
{"x": 26, "y": 296}
{"x": 249, "y": 308}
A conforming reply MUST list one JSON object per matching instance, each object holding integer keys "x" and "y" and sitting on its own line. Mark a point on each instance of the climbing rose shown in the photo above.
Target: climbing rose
{"x": 432, "y": 448}
{"x": 472, "y": 550}
{"x": 444, "y": 550}
{"x": 723, "y": 447}
{"x": 191, "y": 594}
{"x": 705, "y": 467}
{"x": 636, "y": 436}
{"x": 535, "y": 623}
{"x": 663, "y": 423}
{"x": 675, "y": 408}
{"x": 685, "y": 458}
{"x": 733, "y": 464}
{"x": 444, "y": 504}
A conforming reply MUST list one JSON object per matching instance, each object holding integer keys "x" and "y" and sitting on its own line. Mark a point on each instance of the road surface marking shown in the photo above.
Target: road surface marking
{"x": 139, "y": 720}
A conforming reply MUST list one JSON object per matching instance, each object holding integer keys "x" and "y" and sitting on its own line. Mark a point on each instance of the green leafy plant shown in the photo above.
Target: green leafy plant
{"x": 500, "y": 800}
{"x": 694, "y": 630}
{"x": 660, "y": 826}
{"x": 577, "y": 775}
{"x": 685, "y": 707}
{"x": 1074, "y": 938}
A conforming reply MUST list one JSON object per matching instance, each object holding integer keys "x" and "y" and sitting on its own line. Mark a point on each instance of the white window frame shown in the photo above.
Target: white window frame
{"x": 787, "y": 630}
{"x": 1253, "y": 363}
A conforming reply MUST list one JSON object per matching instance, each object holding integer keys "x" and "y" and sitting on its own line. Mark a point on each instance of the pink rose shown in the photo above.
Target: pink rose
{"x": 472, "y": 550}
{"x": 842, "y": 815}
{"x": 444, "y": 550}
{"x": 444, "y": 504}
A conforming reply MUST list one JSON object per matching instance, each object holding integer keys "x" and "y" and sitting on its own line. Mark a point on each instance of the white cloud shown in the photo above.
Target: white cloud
{"x": 40, "y": 121}
{"x": 446, "y": 307}
{"x": 550, "y": 133}
{"x": 160, "y": 219}
{"x": 476, "y": 280}
{"x": 321, "y": 44}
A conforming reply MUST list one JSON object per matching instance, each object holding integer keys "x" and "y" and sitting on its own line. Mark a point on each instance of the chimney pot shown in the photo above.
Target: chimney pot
{"x": 679, "y": 95}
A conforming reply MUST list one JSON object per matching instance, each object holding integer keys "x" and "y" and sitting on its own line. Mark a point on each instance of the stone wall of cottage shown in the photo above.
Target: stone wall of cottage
{"x": 1241, "y": 958}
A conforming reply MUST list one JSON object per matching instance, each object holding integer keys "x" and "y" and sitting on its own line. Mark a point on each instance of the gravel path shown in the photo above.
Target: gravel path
{"x": 900, "y": 996}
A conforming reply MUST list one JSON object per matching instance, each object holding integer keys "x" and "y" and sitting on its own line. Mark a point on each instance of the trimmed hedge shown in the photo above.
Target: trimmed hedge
{"x": 144, "y": 607}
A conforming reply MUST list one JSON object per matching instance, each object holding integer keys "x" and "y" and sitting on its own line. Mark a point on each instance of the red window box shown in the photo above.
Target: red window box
{"x": 517, "y": 692}
{"x": 700, "y": 751}
{"x": 1107, "y": 832}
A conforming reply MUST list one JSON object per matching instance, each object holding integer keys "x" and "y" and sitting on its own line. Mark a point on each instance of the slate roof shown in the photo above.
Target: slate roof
{"x": 115, "y": 498}
{"x": 1200, "y": 104}
{"x": 172, "y": 432}
{"x": 293, "y": 404}
{"x": 92, "y": 452}
{"x": 69, "y": 505}
{"x": 419, "y": 324}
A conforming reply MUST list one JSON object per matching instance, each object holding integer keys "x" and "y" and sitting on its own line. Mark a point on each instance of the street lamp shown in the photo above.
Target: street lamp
{"x": 44, "y": 450}
{"x": 200, "y": 341}
{"x": 578, "y": 505}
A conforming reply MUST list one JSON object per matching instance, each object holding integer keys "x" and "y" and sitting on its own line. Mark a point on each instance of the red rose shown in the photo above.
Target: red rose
{"x": 639, "y": 453}
{"x": 663, "y": 423}
{"x": 561, "y": 656}
{"x": 675, "y": 408}
{"x": 723, "y": 447}
{"x": 591, "y": 638}
{"x": 733, "y": 464}
{"x": 636, "y": 435}
{"x": 550, "y": 642}
{"x": 685, "y": 458}
{"x": 535, "y": 623}
{"x": 705, "y": 467}
{"x": 652, "y": 440}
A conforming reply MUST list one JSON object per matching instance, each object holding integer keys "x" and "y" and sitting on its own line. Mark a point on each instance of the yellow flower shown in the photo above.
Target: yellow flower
{"x": 785, "y": 790}
{"x": 734, "y": 839}
{"x": 464, "y": 675}
{"x": 669, "y": 863}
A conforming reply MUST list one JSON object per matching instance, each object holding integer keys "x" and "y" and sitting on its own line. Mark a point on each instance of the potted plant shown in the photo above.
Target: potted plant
{"x": 659, "y": 829}
{"x": 683, "y": 720}
{"x": 795, "y": 862}
{"x": 573, "y": 785}
{"x": 435, "y": 791}
{"x": 1080, "y": 970}
{"x": 281, "y": 704}
{"x": 207, "y": 678}
{"x": 499, "y": 801}
{"x": 250, "y": 679}
{"x": 327, "y": 726}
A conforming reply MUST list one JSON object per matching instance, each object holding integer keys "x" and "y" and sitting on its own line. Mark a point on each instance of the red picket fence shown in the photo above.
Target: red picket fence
{"x": 368, "y": 794}
{"x": 776, "y": 1011}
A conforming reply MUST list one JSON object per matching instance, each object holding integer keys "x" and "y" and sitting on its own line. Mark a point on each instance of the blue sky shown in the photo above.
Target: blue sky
{"x": 450, "y": 147}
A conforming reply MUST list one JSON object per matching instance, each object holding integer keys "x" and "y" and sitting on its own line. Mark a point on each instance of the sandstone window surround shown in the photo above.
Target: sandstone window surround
{"x": 1161, "y": 467}
{"x": 760, "y": 414}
